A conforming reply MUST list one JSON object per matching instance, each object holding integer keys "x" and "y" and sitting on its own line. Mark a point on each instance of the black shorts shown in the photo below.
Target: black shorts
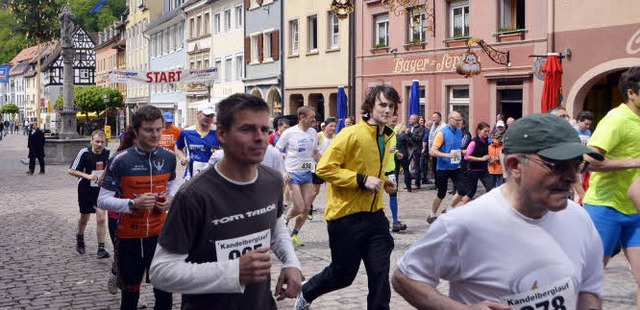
{"x": 442, "y": 178}
{"x": 88, "y": 199}
{"x": 134, "y": 256}
{"x": 316, "y": 179}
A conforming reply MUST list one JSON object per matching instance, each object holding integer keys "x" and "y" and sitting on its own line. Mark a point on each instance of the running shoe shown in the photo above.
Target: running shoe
{"x": 112, "y": 284}
{"x": 398, "y": 227}
{"x": 431, "y": 219}
{"x": 296, "y": 240}
{"x": 80, "y": 244}
{"x": 301, "y": 303}
{"x": 310, "y": 216}
{"x": 102, "y": 253}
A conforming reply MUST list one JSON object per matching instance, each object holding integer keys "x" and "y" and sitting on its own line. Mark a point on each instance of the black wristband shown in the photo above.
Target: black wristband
{"x": 361, "y": 178}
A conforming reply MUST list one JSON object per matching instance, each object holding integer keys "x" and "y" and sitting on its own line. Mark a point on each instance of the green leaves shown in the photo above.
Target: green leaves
{"x": 9, "y": 108}
{"x": 91, "y": 99}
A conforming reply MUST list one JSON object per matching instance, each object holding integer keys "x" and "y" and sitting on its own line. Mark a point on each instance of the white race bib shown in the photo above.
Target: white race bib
{"x": 556, "y": 296}
{"x": 392, "y": 178}
{"x": 99, "y": 174}
{"x": 234, "y": 248}
{"x": 198, "y": 166}
{"x": 457, "y": 156}
{"x": 307, "y": 166}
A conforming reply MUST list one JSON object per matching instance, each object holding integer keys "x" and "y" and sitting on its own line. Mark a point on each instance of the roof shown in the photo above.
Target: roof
{"x": 163, "y": 19}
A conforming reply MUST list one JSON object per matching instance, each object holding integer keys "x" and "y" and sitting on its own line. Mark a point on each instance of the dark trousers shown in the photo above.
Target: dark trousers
{"x": 32, "y": 163}
{"x": 404, "y": 163}
{"x": 416, "y": 159}
{"x": 424, "y": 165}
{"x": 472, "y": 178}
{"x": 358, "y": 237}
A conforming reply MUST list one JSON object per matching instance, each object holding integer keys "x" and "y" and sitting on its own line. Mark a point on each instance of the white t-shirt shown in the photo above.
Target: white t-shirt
{"x": 300, "y": 147}
{"x": 272, "y": 159}
{"x": 489, "y": 251}
{"x": 323, "y": 142}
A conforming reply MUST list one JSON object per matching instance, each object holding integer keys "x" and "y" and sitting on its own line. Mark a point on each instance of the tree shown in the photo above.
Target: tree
{"x": 89, "y": 99}
{"x": 59, "y": 105}
{"x": 37, "y": 20}
{"x": 10, "y": 108}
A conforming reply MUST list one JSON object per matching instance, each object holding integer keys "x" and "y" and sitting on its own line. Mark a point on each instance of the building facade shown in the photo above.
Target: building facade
{"x": 399, "y": 45}
{"x": 167, "y": 51}
{"x": 598, "y": 41}
{"x": 264, "y": 75}
{"x": 227, "y": 51}
{"x": 317, "y": 56}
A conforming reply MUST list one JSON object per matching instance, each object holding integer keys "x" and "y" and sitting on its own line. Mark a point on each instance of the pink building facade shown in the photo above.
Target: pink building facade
{"x": 390, "y": 49}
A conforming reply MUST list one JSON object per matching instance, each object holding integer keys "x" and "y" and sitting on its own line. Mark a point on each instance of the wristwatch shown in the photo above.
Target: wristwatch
{"x": 132, "y": 205}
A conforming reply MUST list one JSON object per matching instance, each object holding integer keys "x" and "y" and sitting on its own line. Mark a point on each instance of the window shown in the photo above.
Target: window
{"x": 166, "y": 41}
{"x": 161, "y": 43}
{"x": 239, "y": 67}
{"x": 216, "y": 23}
{"x": 227, "y": 69}
{"x": 206, "y": 23}
{"x": 459, "y": 19}
{"x": 512, "y": 15}
{"x": 459, "y": 100}
{"x": 227, "y": 20}
{"x": 417, "y": 22}
{"x": 255, "y": 53}
{"x": 191, "y": 28}
{"x": 334, "y": 31}
{"x": 172, "y": 42}
{"x": 510, "y": 98}
{"x": 312, "y": 22}
{"x": 218, "y": 67}
{"x": 266, "y": 44}
{"x": 382, "y": 31}
{"x": 295, "y": 44}
{"x": 206, "y": 62}
{"x": 239, "y": 16}
{"x": 198, "y": 25}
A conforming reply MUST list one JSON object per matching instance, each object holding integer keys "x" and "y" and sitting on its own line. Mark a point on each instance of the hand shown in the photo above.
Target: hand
{"x": 389, "y": 186}
{"x": 399, "y": 155}
{"x": 93, "y": 178}
{"x": 489, "y": 305}
{"x": 373, "y": 184}
{"x": 292, "y": 277}
{"x": 145, "y": 201}
{"x": 486, "y": 158}
{"x": 392, "y": 149}
{"x": 184, "y": 161}
{"x": 162, "y": 203}
{"x": 255, "y": 266}
{"x": 287, "y": 178}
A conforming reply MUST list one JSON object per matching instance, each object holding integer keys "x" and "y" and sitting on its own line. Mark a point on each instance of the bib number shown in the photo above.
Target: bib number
{"x": 198, "y": 166}
{"x": 556, "y": 296}
{"x": 392, "y": 178}
{"x": 234, "y": 248}
{"x": 99, "y": 174}
{"x": 457, "y": 156}
{"x": 306, "y": 166}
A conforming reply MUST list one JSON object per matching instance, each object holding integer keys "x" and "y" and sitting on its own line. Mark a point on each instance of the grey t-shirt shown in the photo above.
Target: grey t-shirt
{"x": 215, "y": 219}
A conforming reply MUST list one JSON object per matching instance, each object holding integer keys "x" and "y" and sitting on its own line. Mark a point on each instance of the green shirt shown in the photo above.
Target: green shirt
{"x": 618, "y": 134}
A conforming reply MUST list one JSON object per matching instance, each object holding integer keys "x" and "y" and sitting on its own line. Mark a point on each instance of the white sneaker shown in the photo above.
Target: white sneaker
{"x": 301, "y": 303}
{"x": 112, "y": 284}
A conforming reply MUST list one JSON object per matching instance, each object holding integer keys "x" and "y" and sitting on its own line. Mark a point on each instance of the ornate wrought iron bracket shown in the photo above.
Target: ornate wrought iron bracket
{"x": 400, "y": 7}
{"x": 495, "y": 55}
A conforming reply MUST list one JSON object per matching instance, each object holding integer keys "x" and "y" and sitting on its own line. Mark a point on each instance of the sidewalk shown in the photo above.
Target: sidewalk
{"x": 41, "y": 269}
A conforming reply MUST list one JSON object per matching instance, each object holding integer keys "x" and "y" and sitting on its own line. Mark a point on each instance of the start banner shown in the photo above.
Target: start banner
{"x": 171, "y": 76}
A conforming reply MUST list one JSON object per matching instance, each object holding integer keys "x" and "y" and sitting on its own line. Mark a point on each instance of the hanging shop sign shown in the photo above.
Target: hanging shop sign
{"x": 426, "y": 64}
{"x": 171, "y": 76}
{"x": 468, "y": 64}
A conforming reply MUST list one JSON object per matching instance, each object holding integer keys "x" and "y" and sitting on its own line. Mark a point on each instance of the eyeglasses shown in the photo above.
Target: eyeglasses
{"x": 579, "y": 166}
{"x": 456, "y": 119}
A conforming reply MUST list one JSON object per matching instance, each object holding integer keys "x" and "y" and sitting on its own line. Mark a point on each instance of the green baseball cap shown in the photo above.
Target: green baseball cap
{"x": 546, "y": 135}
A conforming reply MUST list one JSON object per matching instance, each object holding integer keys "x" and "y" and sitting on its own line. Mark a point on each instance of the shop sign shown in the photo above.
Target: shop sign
{"x": 633, "y": 45}
{"x": 428, "y": 64}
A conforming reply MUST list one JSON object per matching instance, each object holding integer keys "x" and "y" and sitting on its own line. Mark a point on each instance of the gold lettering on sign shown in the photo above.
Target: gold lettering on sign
{"x": 633, "y": 45}
{"x": 412, "y": 65}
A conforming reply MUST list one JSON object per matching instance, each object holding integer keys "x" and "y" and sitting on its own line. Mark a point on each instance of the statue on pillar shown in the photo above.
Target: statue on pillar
{"x": 68, "y": 114}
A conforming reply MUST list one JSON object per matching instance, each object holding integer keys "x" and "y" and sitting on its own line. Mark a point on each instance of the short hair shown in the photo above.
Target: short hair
{"x": 389, "y": 93}
{"x": 629, "y": 79}
{"x": 584, "y": 115}
{"x": 282, "y": 121}
{"x": 238, "y": 102}
{"x": 482, "y": 125}
{"x": 98, "y": 132}
{"x": 329, "y": 120}
{"x": 556, "y": 109}
{"x": 438, "y": 113}
{"x": 147, "y": 113}
{"x": 304, "y": 110}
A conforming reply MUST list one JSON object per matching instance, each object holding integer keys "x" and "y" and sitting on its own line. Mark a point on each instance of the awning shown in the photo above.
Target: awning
{"x": 92, "y": 115}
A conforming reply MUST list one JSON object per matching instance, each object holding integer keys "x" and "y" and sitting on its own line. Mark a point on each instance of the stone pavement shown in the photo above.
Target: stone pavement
{"x": 39, "y": 267}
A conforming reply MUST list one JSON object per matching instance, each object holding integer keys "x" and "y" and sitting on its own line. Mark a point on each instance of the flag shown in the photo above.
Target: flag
{"x": 98, "y": 7}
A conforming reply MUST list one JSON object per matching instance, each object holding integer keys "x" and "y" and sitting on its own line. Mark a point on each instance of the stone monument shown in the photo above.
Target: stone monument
{"x": 65, "y": 148}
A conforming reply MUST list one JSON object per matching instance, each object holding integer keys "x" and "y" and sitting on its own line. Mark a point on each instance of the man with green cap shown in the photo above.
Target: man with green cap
{"x": 523, "y": 245}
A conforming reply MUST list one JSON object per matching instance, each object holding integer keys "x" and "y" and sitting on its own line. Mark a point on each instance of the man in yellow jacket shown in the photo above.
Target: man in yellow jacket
{"x": 354, "y": 166}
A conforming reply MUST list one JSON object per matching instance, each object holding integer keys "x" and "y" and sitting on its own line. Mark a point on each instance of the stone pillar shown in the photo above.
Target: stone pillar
{"x": 68, "y": 114}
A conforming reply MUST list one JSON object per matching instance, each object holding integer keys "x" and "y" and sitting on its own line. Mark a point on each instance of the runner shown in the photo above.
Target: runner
{"x": 214, "y": 248}
{"x": 170, "y": 133}
{"x": 390, "y": 172}
{"x": 199, "y": 142}
{"x": 324, "y": 140}
{"x": 357, "y": 226}
{"x": 301, "y": 155}
{"x": 88, "y": 168}
{"x": 521, "y": 246}
{"x": 139, "y": 185}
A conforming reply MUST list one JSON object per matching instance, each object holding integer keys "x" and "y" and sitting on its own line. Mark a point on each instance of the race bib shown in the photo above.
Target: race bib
{"x": 556, "y": 296}
{"x": 99, "y": 174}
{"x": 392, "y": 178}
{"x": 198, "y": 166}
{"x": 234, "y": 248}
{"x": 457, "y": 156}
{"x": 306, "y": 166}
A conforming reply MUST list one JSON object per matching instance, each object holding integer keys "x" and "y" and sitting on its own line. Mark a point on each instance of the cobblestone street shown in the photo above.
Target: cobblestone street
{"x": 39, "y": 267}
